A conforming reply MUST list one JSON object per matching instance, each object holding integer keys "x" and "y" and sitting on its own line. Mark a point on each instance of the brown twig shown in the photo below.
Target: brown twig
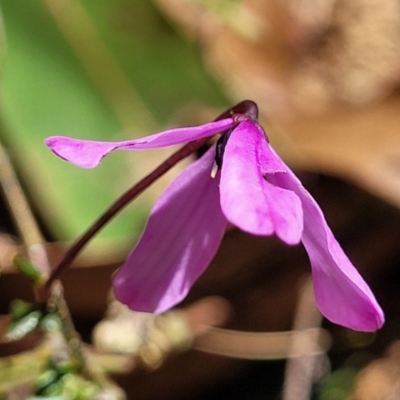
{"x": 299, "y": 372}
{"x": 22, "y": 215}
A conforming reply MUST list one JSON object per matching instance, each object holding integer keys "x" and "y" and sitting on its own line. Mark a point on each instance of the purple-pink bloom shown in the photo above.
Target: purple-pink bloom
{"x": 252, "y": 189}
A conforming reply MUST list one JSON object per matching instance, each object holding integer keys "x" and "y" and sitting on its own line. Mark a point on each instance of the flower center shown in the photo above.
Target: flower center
{"x": 245, "y": 111}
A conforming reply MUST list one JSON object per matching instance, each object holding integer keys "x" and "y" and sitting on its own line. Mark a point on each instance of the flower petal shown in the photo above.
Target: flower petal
{"x": 89, "y": 153}
{"x": 182, "y": 236}
{"x": 341, "y": 293}
{"x": 248, "y": 200}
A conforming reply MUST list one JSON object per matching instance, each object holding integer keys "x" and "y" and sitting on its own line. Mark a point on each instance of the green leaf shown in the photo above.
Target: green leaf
{"x": 338, "y": 385}
{"x": 28, "y": 269}
{"x": 19, "y": 309}
{"x": 101, "y": 70}
{"x": 47, "y": 398}
{"x": 23, "y": 326}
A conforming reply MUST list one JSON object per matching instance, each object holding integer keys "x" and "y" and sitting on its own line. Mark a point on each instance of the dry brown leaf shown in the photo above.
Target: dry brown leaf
{"x": 325, "y": 73}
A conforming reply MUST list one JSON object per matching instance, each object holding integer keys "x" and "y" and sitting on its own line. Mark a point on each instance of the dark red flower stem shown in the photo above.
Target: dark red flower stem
{"x": 247, "y": 108}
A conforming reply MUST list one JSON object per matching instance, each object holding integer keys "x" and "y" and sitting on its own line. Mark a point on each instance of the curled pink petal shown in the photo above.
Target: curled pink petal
{"x": 89, "y": 153}
{"x": 341, "y": 293}
{"x": 83, "y": 153}
{"x": 248, "y": 200}
{"x": 182, "y": 235}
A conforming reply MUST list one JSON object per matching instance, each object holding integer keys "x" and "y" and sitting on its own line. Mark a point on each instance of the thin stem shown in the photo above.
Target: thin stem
{"x": 300, "y": 371}
{"x": 22, "y": 215}
{"x": 120, "y": 203}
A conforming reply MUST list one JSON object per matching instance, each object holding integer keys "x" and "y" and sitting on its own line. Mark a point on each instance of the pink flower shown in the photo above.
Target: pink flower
{"x": 254, "y": 190}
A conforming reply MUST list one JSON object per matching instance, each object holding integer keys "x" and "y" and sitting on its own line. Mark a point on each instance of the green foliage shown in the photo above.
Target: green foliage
{"x": 25, "y": 319}
{"x": 103, "y": 70}
{"x": 338, "y": 385}
{"x": 28, "y": 269}
{"x": 68, "y": 386}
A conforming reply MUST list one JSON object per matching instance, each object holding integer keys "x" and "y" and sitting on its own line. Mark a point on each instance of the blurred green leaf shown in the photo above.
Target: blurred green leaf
{"x": 20, "y": 308}
{"x": 101, "y": 70}
{"x": 69, "y": 386}
{"x": 338, "y": 385}
{"x": 47, "y": 398}
{"x": 20, "y": 328}
{"x": 28, "y": 269}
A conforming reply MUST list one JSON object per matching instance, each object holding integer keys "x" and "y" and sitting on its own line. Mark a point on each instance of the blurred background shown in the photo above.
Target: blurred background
{"x": 326, "y": 77}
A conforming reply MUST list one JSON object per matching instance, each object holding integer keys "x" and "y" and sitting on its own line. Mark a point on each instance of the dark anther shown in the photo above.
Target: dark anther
{"x": 220, "y": 148}
{"x": 246, "y": 109}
